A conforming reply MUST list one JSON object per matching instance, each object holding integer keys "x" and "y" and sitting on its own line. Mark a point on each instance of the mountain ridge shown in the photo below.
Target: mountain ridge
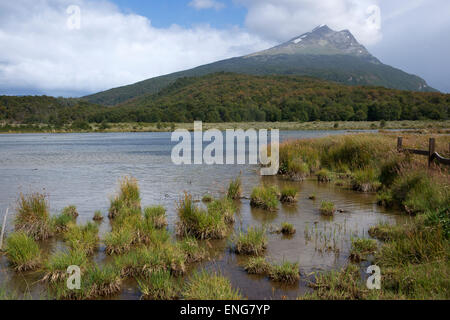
{"x": 322, "y": 53}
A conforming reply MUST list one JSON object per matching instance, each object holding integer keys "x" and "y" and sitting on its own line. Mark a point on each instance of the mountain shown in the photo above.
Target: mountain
{"x": 321, "y": 53}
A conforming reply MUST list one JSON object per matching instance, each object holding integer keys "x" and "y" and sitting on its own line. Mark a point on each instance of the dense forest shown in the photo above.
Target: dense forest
{"x": 229, "y": 97}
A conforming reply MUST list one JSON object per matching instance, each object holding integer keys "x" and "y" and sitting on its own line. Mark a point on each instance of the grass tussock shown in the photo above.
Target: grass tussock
{"x": 200, "y": 223}
{"x": 257, "y": 265}
{"x": 71, "y": 211}
{"x": 98, "y": 216}
{"x": 288, "y": 195}
{"x": 156, "y": 216}
{"x": 286, "y": 272}
{"x": 365, "y": 180}
{"x": 33, "y": 217}
{"x": 361, "y": 248}
{"x": 235, "y": 189}
{"x": 265, "y": 197}
{"x": 287, "y": 229}
{"x": 55, "y": 267}
{"x": 207, "y": 198}
{"x": 128, "y": 197}
{"x": 119, "y": 241}
{"x": 193, "y": 251}
{"x": 159, "y": 285}
{"x": 62, "y": 222}
{"x": 206, "y": 286}
{"x": 327, "y": 208}
{"x": 84, "y": 238}
{"x": 23, "y": 252}
{"x": 223, "y": 207}
{"x": 324, "y": 175}
{"x": 253, "y": 242}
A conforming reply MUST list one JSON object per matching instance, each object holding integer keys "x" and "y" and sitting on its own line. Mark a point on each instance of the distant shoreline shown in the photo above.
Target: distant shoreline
{"x": 426, "y": 126}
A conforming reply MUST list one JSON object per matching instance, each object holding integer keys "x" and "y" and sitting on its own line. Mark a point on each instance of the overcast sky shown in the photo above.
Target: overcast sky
{"x": 44, "y": 50}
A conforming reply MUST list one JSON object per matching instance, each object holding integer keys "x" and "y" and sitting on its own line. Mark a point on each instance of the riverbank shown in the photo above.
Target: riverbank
{"x": 413, "y": 257}
{"x": 422, "y": 126}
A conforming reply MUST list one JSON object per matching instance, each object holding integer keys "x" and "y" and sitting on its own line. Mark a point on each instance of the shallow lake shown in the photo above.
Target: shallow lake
{"x": 83, "y": 170}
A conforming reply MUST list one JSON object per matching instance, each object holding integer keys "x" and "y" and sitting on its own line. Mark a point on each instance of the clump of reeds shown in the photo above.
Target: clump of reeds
{"x": 257, "y": 265}
{"x": 265, "y": 197}
{"x": 206, "y": 286}
{"x": 224, "y": 207}
{"x": 288, "y": 195}
{"x": 156, "y": 216}
{"x": 324, "y": 175}
{"x": 207, "y": 198}
{"x": 327, "y": 208}
{"x": 158, "y": 285}
{"x": 192, "y": 249}
{"x": 96, "y": 283}
{"x": 23, "y": 252}
{"x": 361, "y": 248}
{"x": 286, "y": 272}
{"x": 127, "y": 197}
{"x": 71, "y": 211}
{"x": 312, "y": 197}
{"x": 287, "y": 229}
{"x": 253, "y": 242}
{"x": 199, "y": 223}
{"x": 62, "y": 221}
{"x": 365, "y": 180}
{"x": 235, "y": 189}
{"x": 119, "y": 241}
{"x": 98, "y": 216}
{"x": 33, "y": 217}
{"x": 83, "y": 238}
{"x": 55, "y": 267}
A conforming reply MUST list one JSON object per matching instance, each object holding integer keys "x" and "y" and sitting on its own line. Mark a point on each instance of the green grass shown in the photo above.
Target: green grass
{"x": 286, "y": 272}
{"x": 253, "y": 242}
{"x": 224, "y": 207}
{"x": 361, "y": 248}
{"x": 327, "y": 208}
{"x": 365, "y": 180}
{"x": 257, "y": 265}
{"x": 62, "y": 221}
{"x": 159, "y": 285}
{"x": 207, "y": 198}
{"x": 265, "y": 197}
{"x": 71, "y": 211}
{"x": 193, "y": 251}
{"x": 156, "y": 216}
{"x": 206, "y": 286}
{"x": 324, "y": 175}
{"x": 127, "y": 197}
{"x": 55, "y": 268}
{"x": 287, "y": 229}
{"x": 235, "y": 189}
{"x": 84, "y": 238}
{"x": 199, "y": 223}
{"x": 288, "y": 194}
{"x": 23, "y": 252}
{"x": 98, "y": 216}
{"x": 33, "y": 217}
{"x": 119, "y": 241}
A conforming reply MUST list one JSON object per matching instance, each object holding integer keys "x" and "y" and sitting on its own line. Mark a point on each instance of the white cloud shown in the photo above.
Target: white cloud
{"x": 283, "y": 19}
{"x": 40, "y": 53}
{"x": 206, "y": 4}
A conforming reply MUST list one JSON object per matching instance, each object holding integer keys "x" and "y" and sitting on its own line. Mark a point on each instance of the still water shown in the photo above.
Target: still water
{"x": 83, "y": 170}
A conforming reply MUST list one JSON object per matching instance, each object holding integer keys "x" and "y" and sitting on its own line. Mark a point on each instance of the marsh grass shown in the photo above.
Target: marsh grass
{"x": 235, "y": 189}
{"x": 206, "y": 286}
{"x": 286, "y": 272}
{"x": 193, "y": 251}
{"x": 324, "y": 175}
{"x": 159, "y": 285}
{"x": 253, "y": 242}
{"x": 265, "y": 197}
{"x": 23, "y": 252}
{"x": 199, "y": 223}
{"x": 55, "y": 268}
{"x": 119, "y": 241}
{"x": 98, "y": 216}
{"x": 287, "y": 229}
{"x": 207, "y": 198}
{"x": 361, "y": 248}
{"x": 288, "y": 195}
{"x": 327, "y": 208}
{"x": 365, "y": 180}
{"x": 156, "y": 216}
{"x": 127, "y": 197}
{"x": 224, "y": 207}
{"x": 32, "y": 216}
{"x": 71, "y": 211}
{"x": 257, "y": 265}
{"x": 84, "y": 238}
{"x": 62, "y": 221}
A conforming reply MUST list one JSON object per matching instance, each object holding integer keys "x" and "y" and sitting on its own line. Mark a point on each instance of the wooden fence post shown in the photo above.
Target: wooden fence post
{"x": 432, "y": 150}
{"x": 399, "y": 144}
